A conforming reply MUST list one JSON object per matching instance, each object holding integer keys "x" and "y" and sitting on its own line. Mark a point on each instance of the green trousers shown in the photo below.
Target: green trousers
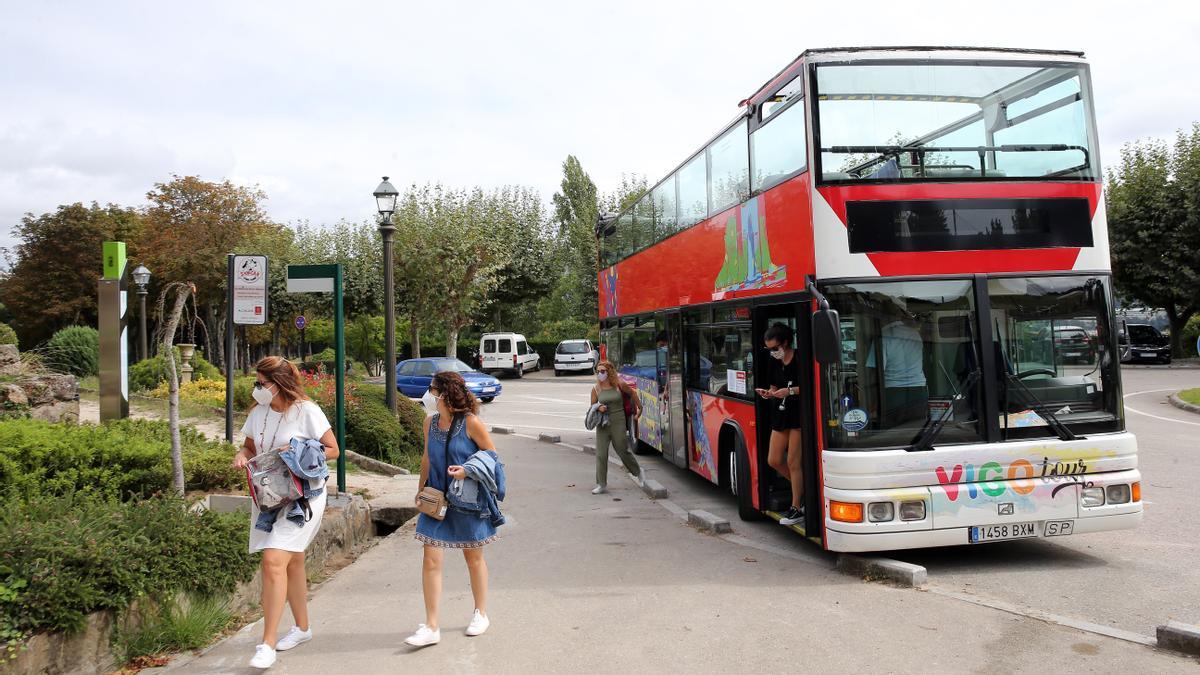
{"x": 616, "y": 434}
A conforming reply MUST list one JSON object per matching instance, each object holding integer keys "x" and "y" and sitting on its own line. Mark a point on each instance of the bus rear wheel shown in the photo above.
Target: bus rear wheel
{"x": 739, "y": 481}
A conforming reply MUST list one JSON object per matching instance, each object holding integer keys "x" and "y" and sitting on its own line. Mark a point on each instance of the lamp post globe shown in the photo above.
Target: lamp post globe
{"x": 385, "y": 202}
{"x": 141, "y": 279}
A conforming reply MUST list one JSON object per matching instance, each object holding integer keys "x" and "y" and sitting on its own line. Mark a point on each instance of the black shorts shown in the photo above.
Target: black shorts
{"x": 789, "y": 417}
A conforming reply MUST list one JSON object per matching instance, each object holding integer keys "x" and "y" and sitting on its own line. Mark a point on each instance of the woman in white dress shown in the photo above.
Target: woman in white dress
{"x": 283, "y": 412}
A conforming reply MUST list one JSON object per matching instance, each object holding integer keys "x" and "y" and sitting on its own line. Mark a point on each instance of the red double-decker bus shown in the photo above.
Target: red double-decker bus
{"x": 930, "y": 223}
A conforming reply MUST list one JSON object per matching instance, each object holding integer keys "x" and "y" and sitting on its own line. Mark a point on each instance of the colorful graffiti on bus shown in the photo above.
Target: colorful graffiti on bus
{"x": 1021, "y": 473}
{"x": 748, "y": 263}
{"x": 700, "y": 459}
{"x": 608, "y": 290}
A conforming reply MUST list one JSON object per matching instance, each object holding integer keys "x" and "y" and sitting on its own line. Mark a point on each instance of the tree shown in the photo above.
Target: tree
{"x": 575, "y": 209}
{"x": 528, "y": 274}
{"x": 191, "y": 226}
{"x": 1154, "y": 226}
{"x": 54, "y": 270}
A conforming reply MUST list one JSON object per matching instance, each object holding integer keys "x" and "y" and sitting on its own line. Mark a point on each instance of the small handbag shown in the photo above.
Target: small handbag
{"x": 628, "y": 401}
{"x": 430, "y": 500}
{"x": 272, "y": 483}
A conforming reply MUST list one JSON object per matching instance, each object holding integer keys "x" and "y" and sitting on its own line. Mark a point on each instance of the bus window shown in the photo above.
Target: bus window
{"x": 721, "y": 350}
{"x": 626, "y": 236}
{"x": 908, "y": 352}
{"x": 693, "y": 192}
{"x": 643, "y": 221}
{"x": 729, "y": 162}
{"x": 778, "y": 149}
{"x": 789, "y": 91}
{"x": 665, "y": 216}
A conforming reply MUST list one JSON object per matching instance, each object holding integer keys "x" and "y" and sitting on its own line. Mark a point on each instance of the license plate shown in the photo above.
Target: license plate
{"x": 488, "y": 390}
{"x": 982, "y": 533}
{"x": 1070, "y": 354}
{"x": 1147, "y": 356}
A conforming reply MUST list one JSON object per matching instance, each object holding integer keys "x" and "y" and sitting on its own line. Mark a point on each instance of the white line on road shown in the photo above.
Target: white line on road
{"x": 533, "y": 412}
{"x": 1157, "y": 417}
{"x": 551, "y": 400}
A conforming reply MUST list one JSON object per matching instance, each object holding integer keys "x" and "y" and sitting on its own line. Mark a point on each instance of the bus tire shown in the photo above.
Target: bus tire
{"x": 739, "y": 481}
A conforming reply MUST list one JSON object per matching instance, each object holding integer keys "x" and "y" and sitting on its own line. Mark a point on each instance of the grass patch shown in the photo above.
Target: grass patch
{"x": 1191, "y": 396}
{"x": 174, "y": 626}
{"x": 90, "y": 383}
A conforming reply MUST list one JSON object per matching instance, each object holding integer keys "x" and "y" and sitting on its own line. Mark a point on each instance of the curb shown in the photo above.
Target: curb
{"x": 549, "y": 438}
{"x": 507, "y": 431}
{"x": 902, "y": 573}
{"x": 1182, "y": 404}
{"x": 655, "y": 489}
{"x": 589, "y": 448}
{"x": 375, "y": 465}
{"x": 1180, "y": 637}
{"x": 704, "y": 520}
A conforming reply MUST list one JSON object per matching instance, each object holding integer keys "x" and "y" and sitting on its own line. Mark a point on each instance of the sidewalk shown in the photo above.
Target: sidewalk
{"x": 615, "y": 583}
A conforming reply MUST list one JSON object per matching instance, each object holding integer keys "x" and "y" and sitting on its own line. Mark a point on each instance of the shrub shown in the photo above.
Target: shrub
{"x": 114, "y": 460}
{"x": 243, "y": 393}
{"x": 66, "y": 556}
{"x": 75, "y": 350}
{"x": 203, "y": 392}
{"x": 147, "y": 374}
{"x": 8, "y": 336}
{"x": 373, "y": 431}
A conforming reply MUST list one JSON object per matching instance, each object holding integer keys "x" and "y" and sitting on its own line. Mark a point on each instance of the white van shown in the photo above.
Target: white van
{"x": 508, "y": 352}
{"x": 575, "y": 355}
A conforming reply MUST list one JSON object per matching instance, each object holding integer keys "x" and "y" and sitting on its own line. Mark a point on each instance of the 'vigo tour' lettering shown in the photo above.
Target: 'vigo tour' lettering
{"x": 1020, "y": 477}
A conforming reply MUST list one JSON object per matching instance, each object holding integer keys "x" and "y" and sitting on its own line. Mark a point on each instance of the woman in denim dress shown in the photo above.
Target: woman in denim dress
{"x": 456, "y": 418}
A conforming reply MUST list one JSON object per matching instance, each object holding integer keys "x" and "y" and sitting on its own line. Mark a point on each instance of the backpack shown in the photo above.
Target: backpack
{"x": 272, "y": 483}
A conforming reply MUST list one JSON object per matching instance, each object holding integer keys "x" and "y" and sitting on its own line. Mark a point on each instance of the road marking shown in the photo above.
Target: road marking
{"x": 1157, "y": 417}
{"x": 533, "y": 412}
{"x": 551, "y": 400}
{"x": 531, "y": 426}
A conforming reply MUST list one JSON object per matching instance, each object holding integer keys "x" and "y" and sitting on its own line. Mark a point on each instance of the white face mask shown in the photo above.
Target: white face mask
{"x": 430, "y": 402}
{"x": 777, "y": 353}
{"x": 263, "y": 395}
{"x": 602, "y": 376}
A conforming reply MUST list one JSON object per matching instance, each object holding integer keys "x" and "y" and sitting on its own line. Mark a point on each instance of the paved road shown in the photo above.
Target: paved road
{"x": 1129, "y": 580}
{"x": 618, "y": 584}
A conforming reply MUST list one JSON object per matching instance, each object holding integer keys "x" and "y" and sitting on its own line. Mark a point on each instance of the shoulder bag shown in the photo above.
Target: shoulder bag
{"x": 430, "y": 500}
{"x": 272, "y": 483}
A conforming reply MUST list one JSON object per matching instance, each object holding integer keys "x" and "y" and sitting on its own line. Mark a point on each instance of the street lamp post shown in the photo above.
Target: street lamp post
{"x": 141, "y": 278}
{"x": 385, "y": 200}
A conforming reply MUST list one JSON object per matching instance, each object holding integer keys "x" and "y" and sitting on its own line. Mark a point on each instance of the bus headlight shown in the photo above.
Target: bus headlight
{"x": 912, "y": 510}
{"x": 1117, "y": 494}
{"x": 1093, "y": 496}
{"x": 880, "y": 512}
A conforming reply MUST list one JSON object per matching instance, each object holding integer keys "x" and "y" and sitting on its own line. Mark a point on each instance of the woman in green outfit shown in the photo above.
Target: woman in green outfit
{"x": 608, "y": 393}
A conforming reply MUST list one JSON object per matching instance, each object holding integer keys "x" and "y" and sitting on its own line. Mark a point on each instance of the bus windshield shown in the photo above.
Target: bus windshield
{"x": 912, "y": 359}
{"x": 898, "y": 121}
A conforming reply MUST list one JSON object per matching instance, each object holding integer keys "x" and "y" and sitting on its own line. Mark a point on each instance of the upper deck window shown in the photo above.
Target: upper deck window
{"x": 954, "y": 121}
{"x": 729, "y": 162}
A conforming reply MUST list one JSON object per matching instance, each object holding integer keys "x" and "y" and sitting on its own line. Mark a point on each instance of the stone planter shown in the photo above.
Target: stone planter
{"x": 186, "y": 352}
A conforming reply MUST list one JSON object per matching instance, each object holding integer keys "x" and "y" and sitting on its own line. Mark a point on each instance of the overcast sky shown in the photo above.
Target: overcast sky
{"x": 315, "y": 101}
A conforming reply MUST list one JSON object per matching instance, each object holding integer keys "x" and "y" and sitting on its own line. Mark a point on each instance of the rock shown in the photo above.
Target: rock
{"x": 46, "y": 389}
{"x": 58, "y": 411}
{"x": 10, "y": 360}
{"x": 13, "y": 395}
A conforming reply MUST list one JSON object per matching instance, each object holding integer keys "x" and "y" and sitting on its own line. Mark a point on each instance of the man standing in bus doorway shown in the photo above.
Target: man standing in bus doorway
{"x": 783, "y": 378}
{"x": 905, "y": 395}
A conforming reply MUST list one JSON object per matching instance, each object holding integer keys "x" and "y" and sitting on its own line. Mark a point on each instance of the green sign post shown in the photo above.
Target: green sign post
{"x": 113, "y": 311}
{"x": 328, "y": 279}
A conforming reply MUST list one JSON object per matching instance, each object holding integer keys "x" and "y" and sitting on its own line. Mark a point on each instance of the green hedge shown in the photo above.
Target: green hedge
{"x": 74, "y": 350}
{"x": 114, "y": 460}
{"x": 8, "y": 336}
{"x": 373, "y": 431}
{"x": 63, "y": 557}
{"x": 149, "y": 373}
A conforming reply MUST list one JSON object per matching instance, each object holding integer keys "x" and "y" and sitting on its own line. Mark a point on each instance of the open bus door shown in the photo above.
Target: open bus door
{"x": 774, "y": 490}
{"x": 670, "y": 326}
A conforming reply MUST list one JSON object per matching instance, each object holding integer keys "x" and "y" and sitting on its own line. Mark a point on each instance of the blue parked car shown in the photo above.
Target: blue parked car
{"x": 414, "y": 375}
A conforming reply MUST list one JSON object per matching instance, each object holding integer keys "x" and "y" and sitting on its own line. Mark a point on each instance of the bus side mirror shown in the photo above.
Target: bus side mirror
{"x": 826, "y": 333}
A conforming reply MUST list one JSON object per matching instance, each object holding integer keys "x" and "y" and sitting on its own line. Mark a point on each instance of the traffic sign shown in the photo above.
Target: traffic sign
{"x": 301, "y": 322}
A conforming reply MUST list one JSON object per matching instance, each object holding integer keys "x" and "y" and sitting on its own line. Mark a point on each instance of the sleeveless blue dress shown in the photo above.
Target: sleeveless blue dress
{"x": 459, "y": 529}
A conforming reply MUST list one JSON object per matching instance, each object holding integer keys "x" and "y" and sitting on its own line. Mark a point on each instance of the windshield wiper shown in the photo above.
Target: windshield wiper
{"x": 1056, "y": 425}
{"x": 930, "y": 431}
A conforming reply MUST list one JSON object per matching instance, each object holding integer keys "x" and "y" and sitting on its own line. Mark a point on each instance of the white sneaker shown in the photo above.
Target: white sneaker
{"x": 599, "y": 490}
{"x": 294, "y": 638}
{"x": 424, "y": 637}
{"x": 479, "y": 624}
{"x": 640, "y": 478}
{"x": 264, "y": 657}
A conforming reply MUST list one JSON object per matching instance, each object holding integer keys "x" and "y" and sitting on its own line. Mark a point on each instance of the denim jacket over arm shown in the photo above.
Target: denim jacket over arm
{"x": 306, "y": 460}
{"x": 483, "y": 487}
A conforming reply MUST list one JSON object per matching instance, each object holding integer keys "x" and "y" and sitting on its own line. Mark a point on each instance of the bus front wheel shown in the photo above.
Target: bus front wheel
{"x": 739, "y": 481}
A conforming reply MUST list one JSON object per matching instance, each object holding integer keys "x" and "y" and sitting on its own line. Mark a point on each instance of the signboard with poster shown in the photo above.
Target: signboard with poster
{"x": 249, "y": 279}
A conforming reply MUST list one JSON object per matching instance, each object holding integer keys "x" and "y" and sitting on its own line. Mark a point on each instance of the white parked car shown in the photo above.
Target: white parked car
{"x": 508, "y": 352}
{"x": 575, "y": 355}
